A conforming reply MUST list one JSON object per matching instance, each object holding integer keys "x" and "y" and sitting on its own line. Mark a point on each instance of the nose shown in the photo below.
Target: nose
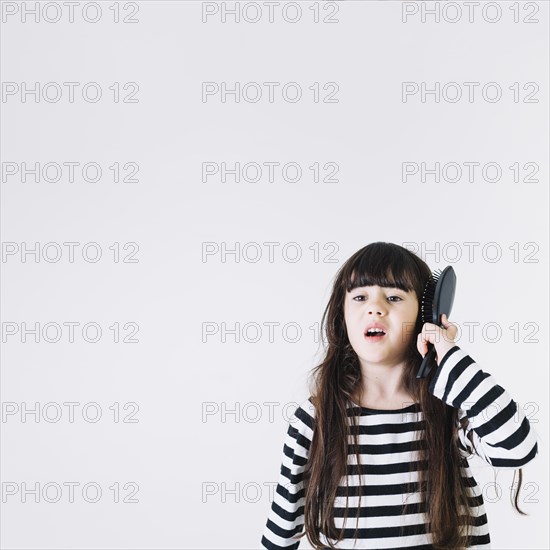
{"x": 376, "y": 307}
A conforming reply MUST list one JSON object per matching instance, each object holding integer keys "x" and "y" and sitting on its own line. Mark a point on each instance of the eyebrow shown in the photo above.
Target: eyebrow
{"x": 393, "y": 288}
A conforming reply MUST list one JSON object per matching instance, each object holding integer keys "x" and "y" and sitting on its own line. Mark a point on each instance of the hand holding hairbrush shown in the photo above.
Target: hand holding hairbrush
{"x": 437, "y": 300}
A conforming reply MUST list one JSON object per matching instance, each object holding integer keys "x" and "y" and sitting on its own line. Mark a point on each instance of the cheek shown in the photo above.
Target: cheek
{"x": 351, "y": 326}
{"x": 347, "y": 315}
{"x": 413, "y": 312}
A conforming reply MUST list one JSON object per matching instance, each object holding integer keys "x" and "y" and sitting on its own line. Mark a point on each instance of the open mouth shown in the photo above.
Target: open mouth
{"x": 374, "y": 334}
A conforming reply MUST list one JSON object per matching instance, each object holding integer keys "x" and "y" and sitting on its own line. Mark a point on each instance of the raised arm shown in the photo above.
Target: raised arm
{"x": 502, "y": 434}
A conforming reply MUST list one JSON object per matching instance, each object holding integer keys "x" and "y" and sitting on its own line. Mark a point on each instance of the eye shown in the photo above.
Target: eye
{"x": 393, "y": 296}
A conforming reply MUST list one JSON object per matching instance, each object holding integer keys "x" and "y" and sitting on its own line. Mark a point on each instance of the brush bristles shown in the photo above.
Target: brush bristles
{"x": 428, "y": 296}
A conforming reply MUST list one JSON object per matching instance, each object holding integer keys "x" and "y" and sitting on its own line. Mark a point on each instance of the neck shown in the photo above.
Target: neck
{"x": 381, "y": 384}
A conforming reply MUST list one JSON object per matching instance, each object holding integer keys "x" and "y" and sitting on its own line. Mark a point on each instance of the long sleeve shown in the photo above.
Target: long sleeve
{"x": 286, "y": 516}
{"x": 502, "y": 434}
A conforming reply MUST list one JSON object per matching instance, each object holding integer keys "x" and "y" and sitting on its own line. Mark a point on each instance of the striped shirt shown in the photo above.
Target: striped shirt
{"x": 388, "y": 440}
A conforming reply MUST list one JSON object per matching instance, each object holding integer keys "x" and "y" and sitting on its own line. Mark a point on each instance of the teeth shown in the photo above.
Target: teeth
{"x": 375, "y": 330}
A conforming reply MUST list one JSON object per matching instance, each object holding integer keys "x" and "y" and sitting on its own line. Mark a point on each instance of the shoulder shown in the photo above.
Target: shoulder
{"x": 302, "y": 419}
{"x": 305, "y": 412}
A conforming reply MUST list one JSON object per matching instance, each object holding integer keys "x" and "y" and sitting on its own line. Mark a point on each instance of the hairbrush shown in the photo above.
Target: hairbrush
{"x": 438, "y": 297}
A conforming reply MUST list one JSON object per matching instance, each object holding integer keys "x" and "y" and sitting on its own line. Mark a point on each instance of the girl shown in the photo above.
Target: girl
{"x": 376, "y": 458}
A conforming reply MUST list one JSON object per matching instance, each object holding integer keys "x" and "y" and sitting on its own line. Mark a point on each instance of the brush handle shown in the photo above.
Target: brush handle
{"x": 428, "y": 362}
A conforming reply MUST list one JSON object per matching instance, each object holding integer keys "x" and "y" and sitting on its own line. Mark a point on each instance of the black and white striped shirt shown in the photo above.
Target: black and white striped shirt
{"x": 501, "y": 432}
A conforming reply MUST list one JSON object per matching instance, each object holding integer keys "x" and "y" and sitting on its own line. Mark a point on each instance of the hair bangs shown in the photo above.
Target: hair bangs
{"x": 384, "y": 265}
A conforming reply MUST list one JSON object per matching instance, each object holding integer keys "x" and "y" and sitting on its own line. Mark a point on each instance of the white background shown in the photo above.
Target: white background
{"x": 174, "y": 453}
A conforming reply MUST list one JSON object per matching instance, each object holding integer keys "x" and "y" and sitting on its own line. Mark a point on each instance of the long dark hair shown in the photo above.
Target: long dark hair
{"x": 338, "y": 378}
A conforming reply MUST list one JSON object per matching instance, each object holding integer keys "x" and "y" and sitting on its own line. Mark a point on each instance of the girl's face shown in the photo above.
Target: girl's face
{"x": 394, "y": 309}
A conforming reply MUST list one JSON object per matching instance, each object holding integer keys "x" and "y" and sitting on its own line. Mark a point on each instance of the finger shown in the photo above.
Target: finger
{"x": 421, "y": 340}
{"x": 421, "y": 346}
{"x": 451, "y": 328}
